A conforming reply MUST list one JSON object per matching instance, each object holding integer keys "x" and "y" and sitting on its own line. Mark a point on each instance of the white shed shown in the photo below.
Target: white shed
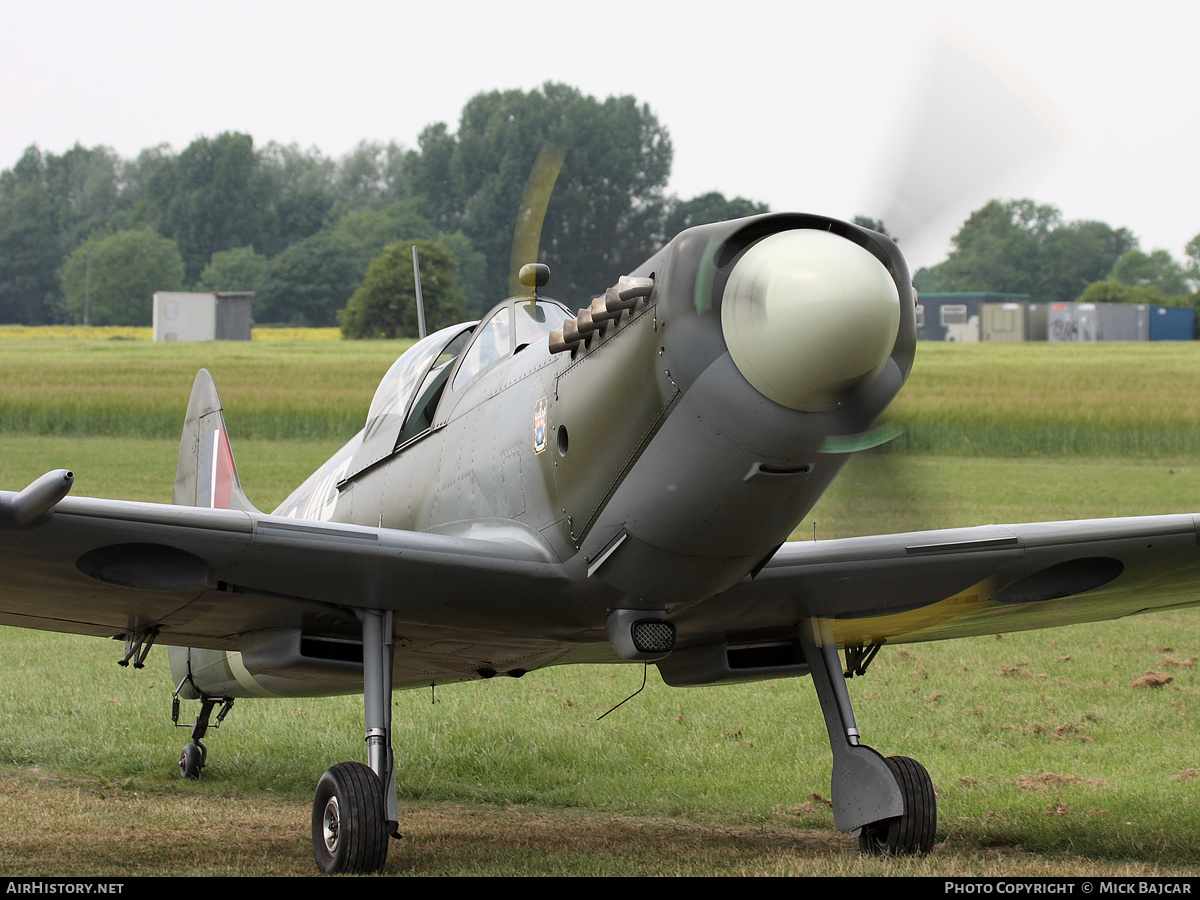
{"x": 221, "y": 316}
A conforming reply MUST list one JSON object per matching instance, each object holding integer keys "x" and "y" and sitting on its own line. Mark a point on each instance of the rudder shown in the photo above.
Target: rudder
{"x": 206, "y": 474}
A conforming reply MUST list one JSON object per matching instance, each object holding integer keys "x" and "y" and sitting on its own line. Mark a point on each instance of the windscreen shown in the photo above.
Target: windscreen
{"x": 513, "y": 326}
{"x": 402, "y": 379}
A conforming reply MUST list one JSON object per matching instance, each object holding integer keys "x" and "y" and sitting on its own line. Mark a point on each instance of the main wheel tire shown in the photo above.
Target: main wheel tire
{"x": 911, "y": 834}
{"x": 349, "y": 822}
{"x": 191, "y": 761}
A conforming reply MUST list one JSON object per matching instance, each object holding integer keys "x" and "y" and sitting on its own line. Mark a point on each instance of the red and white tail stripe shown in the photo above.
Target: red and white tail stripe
{"x": 217, "y": 470}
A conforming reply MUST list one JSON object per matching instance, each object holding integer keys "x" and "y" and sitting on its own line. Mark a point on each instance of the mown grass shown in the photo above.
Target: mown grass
{"x": 1047, "y": 758}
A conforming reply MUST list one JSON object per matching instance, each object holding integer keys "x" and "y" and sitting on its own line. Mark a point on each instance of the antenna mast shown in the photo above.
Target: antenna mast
{"x": 420, "y": 302}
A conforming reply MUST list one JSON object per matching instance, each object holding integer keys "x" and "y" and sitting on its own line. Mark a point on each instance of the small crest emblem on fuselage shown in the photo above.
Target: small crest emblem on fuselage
{"x": 540, "y": 413}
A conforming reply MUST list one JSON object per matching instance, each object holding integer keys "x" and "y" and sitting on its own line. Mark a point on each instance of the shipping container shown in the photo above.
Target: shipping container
{"x": 1073, "y": 322}
{"x": 1172, "y": 323}
{"x": 957, "y": 316}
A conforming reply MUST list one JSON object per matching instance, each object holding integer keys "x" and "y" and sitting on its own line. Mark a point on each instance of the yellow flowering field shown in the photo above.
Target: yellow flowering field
{"x": 135, "y": 333}
{"x": 284, "y": 333}
{"x": 76, "y": 332}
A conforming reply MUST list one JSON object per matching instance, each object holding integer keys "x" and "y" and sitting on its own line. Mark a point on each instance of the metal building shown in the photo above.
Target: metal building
{"x": 221, "y": 316}
{"x": 1018, "y": 320}
{"x": 957, "y": 316}
{"x": 1120, "y": 322}
{"x": 1012, "y": 317}
{"x": 1171, "y": 323}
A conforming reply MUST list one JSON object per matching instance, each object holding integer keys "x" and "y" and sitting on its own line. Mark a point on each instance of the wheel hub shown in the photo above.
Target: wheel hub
{"x": 331, "y": 825}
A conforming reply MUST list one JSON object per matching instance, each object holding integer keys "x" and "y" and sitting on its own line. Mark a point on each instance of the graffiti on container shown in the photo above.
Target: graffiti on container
{"x": 1071, "y": 330}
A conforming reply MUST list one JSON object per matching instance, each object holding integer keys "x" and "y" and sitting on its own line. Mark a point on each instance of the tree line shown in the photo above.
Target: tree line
{"x": 87, "y": 233}
{"x": 1023, "y": 247}
{"x": 300, "y": 229}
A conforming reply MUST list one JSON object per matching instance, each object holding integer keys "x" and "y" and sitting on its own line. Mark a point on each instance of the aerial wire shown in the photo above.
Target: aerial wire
{"x": 645, "y": 669}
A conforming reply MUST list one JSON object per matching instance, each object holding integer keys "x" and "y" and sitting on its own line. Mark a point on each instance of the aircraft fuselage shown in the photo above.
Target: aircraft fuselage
{"x": 642, "y": 460}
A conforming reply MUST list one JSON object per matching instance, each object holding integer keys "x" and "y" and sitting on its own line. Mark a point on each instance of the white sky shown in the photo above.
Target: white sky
{"x": 798, "y": 104}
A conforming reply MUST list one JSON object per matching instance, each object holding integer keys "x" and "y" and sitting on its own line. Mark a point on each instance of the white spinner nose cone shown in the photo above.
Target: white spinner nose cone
{"x": 809, "y": 318}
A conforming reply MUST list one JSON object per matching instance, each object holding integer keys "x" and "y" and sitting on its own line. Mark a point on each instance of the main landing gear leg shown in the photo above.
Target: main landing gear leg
{"x": 355, "y": 808}
{"x": 889, "y": 802}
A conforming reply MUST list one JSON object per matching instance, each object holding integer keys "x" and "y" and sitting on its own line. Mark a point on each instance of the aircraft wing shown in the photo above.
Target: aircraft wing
{"x": 206, "y": 576}
{"x": 934, "y": 585}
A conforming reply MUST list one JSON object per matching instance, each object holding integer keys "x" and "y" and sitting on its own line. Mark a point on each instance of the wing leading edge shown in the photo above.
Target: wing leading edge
{"x": 935, "y": 585}
{"x": 206, "y": 577}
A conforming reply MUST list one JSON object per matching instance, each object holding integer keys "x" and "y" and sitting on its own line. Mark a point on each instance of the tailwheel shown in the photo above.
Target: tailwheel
{"x": 912, "y": 833}
{"x": 192, "y": 759}
{"x": 349, "y": 825}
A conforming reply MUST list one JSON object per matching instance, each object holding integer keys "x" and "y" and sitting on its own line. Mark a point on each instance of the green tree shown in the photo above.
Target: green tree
{"x": 1077, "y": 254}
{"x": 302, "y": 194}
{"x": 927, "y": 280}
{"x": 605, "y": 212}
{"x": 137, "y": 175}
{"x": 873, "y": 224}
{"x": 239, "y": 269}
{"x": 1156, "y": 269}
{"x": 385, "y": 305}
{"x": 373, "y": 229}
{"x": 706, "y": 208}
{"x": 49, "y": 204}
{"x": 429, "y": 171}
{"x": 997, "y": 248}
{"x": 31, "y": 246}
{"x": 372, "y": 174}
{"x": 87, "y": 184}
{"x": 1113, "y": 291}
{"x": 310, "y": 281}
{"x": 1192, "y": 251}
{"x": 126, "y": 269}
{"x": 213, "y": 196}
{"x": 469, "y": 272}
{"x": 1022, "y": 247}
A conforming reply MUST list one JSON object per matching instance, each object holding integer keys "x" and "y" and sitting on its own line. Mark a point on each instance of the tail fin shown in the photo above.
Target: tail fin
{"x": 206, "y": 475}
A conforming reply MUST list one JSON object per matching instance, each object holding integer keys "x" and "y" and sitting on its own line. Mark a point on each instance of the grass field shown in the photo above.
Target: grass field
{"x": 1014, "y": 400}
{"x": 1048, "y": 759}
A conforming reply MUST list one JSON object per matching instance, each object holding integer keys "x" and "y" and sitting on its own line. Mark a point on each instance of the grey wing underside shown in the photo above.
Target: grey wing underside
{"x": 207, "y": 577}
{"x": 936, "y": 585}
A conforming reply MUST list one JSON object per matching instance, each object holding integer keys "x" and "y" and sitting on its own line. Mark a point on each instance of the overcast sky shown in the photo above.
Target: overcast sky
{"x": 800, "y": 105}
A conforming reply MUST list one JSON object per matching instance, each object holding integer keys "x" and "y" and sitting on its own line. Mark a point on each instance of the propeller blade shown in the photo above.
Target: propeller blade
{"x": 977, "y": 120}
{"x": 868, "y": 440}
{"x": 527, "y": 234}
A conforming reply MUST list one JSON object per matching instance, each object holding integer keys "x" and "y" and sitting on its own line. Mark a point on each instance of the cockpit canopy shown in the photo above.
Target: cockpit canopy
{"x": 399, "y": 385}
{"x": 407, "y": 398}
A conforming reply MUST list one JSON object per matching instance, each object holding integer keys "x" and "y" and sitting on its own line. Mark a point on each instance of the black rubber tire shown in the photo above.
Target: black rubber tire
{"x": 911, "y": 834}
{"x": 191, "y": 761}
{"x": 349, "y": 821}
